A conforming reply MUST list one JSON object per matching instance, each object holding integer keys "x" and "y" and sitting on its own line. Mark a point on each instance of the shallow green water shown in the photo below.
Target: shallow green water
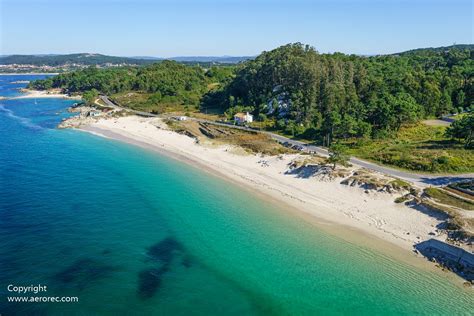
{"x": 132, "y": 232}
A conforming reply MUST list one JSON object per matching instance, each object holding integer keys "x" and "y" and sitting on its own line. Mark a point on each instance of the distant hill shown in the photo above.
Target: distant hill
{"x": 212, "y": 59}
{"x": 200, "y": 59}
{"x": 78, "y": 59}
{"x": 73, "y": 61}
{"x": 436, "y": 50}
{"x": 86, "y": 59}
{"x": 146, "y": 57}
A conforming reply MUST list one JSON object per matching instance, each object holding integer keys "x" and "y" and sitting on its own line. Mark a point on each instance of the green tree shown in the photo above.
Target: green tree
{"x": 90, "y": 96}
{"x": 460, "y": 98}
{"x": 405, "y": 109}
{"x": 338, "y": 155}
{"x": 446, "y": 104}
{"x": 463, "y": 129}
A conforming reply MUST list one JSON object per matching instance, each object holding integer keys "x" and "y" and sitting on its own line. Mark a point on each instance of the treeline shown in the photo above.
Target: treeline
{"x": 81, "y": 59}
{"x": 166, "y": 81}
{"x": 85, "y": 59}
{"x": 334, "y": 96}
{"x": 295, "y": 89}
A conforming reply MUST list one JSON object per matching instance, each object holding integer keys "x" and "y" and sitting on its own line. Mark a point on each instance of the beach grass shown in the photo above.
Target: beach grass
{"x": 444, "y": 197}
{"x": 252, "y": 142}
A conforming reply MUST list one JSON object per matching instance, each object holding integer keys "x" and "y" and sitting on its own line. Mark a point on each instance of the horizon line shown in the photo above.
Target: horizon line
{"x": 139, "y": 56}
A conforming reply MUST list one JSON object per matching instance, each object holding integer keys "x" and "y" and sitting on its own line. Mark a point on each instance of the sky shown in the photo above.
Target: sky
{"x": 166, "y": 28}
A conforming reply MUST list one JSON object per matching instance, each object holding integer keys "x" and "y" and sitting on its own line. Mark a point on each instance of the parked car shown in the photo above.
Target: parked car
{"x": 298, "y": 147}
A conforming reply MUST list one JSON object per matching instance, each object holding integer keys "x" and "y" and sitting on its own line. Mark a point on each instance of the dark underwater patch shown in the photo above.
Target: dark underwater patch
{"x": 149, "y": 281}
{"x": 186, "y": 261}
{"x": 83, "y": 272}
{"x": 164, "y": 250}
{"x": 106, "y": 251}
{"x": 161, "y": 255}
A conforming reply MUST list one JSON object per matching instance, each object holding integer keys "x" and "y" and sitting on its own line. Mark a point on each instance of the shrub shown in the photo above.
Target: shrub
{"x": 400, "y": 184}
{"x": 261, "y": 117}
{"x": 402, "y": 199}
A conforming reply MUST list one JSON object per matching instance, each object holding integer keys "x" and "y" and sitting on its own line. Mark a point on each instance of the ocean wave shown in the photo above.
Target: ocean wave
{"x": 23, "y": 120}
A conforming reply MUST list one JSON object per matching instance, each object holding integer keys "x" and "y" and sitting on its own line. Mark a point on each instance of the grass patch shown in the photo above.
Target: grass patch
{"x": 147, "y": 102}
{"x": 263, "y": 125}
{"x": 460, "y": 193}
{"x": 256, "y": 143}
{"x": 211, "y": 116}
{"x": 440, "y": 208}
{"x": 400, "y": 184}
{"x": 417, "y": 148}
{"x": 252, "y": 142}
{"x": 310, "y": 160}
{"x": 459, "y": 116}
{"x": 444, "y": 197}
{"x": 402, "y": 199}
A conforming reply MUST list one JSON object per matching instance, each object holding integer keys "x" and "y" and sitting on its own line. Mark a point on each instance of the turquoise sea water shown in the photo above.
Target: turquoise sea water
{"x": 131, "y": 232}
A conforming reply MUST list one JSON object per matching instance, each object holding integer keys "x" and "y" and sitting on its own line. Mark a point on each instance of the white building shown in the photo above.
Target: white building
{"x": 94, "y": 113}
{"x": 241, "y": 118}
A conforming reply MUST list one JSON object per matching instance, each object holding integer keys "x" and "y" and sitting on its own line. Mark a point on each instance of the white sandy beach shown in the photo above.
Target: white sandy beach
{"x": 328, "y": 202}
{"x": 36, "y": 94}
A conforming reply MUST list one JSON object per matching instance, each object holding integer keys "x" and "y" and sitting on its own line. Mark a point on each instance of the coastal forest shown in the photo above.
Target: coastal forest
{"x": 334, "y": 96}
{"x": 166, "y": 82}
{"x": 295, "y": 90}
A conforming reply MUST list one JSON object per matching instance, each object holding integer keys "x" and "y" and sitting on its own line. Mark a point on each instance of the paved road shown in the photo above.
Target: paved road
{"x": 449, "y": 118}
{"x": 111, "y": 104}
{"x": 420, "y": 179}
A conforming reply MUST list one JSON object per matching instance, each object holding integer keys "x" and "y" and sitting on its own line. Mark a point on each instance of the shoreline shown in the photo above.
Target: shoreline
{"x": 316, "y": 209}
{"x": 38, "y": 94}
{"x": 28, "y": 73}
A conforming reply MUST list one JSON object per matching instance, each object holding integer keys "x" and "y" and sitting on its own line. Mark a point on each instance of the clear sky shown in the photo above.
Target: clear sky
{"x": 168, "y": 28}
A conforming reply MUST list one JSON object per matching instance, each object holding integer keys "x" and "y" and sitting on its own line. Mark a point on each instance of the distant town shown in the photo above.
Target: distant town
{"x": 71, "y": 62}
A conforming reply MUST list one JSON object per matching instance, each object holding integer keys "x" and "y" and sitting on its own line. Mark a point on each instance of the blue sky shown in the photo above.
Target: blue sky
{"x": 230, "y": 27}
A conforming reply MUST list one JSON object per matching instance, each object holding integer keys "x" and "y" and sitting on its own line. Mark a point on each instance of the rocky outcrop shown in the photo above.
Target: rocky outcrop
{"x": 87, "y": 115}
{"x": 82, "y": 118}
{"x": 315, "y": 167}
{"x": 371, "y": 181}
